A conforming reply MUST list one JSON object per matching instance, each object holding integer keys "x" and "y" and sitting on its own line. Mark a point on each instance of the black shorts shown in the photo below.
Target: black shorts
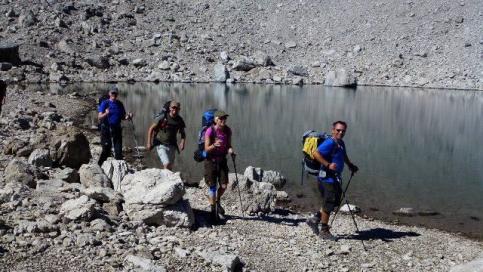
{"x": 331, "y": 195}
{"x": 216, "y": 170}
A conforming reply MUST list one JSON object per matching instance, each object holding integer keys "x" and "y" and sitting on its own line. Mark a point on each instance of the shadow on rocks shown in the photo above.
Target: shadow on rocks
{"x": 279, "y": 216}
{"x": 385, "y": 235}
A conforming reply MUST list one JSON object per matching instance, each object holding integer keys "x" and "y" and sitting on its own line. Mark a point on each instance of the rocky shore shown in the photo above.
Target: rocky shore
{"x": 432, "y": 44}
{"x": 60, "y": 211}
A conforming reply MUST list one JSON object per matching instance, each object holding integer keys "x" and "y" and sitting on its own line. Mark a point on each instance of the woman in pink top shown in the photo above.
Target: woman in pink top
{"x": 217, "y": 145}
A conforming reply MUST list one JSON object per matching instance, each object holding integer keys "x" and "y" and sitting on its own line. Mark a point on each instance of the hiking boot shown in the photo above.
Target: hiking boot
{"x": 313, "y": 223}
{"x": 213, "y": 215}
{"x": 221, "y": 211}
{"x": 326, "y": 235}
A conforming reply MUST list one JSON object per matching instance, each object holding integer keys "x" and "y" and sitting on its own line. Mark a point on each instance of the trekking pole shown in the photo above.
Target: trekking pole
{"x": 355, "y": 223}
{"x": 343, "y": 197}
{"x": 237, "y": 184}
{"x": 302, "y": 178}
{"x": 350, "y": 210}
{"x": 135, "y": 141}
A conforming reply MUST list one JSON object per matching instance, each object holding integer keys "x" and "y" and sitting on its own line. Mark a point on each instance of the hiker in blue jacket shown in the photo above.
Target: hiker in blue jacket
{"x": 332, "y": 155}
{"x": 111, "y": 113}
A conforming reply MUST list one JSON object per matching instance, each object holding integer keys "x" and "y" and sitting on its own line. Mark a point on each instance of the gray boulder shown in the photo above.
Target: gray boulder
{"x": 9, "y": 53}
{"x": 221, "y": 74}
{"x": 19, "y": 171}
{"x": 139, "y": 62}
{"x": 340, "y": 78}
{"x": 70, "y": 148}
{"x": 257, "y": 174}
{"x": 262, "y": 198}
{"x": 13, "y": 191}
{"x": 100, "y": 62}
{"x": 102, "y": 194}
{"x": 299, "y": 70}
{"x": 27, "y": 19}
{"x": 82, "y": 208}
{"x": 262, "y": 59}
{"x": 91, "y": 175}
{"x": 50, "y": 185}
{"x": 40, "y": 157}
{"x": 67, "y": 174}
{"x": 243, "y": 64}
{"x": 115, "y": 170}
{"x": 41, "y": 226}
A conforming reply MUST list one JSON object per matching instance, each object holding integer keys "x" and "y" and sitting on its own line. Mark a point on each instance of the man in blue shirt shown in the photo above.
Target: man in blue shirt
{"x": 332, "y": 155}
{"x": 111, "y": 113}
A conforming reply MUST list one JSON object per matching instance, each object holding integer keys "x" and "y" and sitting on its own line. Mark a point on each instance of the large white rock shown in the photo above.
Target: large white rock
{"x": 177, "y": 215}
{"x": 340, "y": 78}
{"x": 347, "y": 208}
{"x": 152, "y": 186}
{"x": 270, "y": 176}
{"x": 115, "y": 170}
{"x": 220, "y": 72}
{"x": 91, "y": 175}
{"x": 82, "y": 208}
{"x": 154, "y": 196}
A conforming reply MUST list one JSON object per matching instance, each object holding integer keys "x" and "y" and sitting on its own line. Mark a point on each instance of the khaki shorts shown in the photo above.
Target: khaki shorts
{"x": 166, "y": 153}
{"x": 216, "y": 170}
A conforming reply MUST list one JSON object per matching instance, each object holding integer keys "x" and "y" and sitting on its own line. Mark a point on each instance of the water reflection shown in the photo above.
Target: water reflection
{"x": 417, "y": 148}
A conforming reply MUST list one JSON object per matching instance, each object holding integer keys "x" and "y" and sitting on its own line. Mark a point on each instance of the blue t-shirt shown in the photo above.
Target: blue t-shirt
{"x": 333, "y": 153}
{"x": 116, "y": 111}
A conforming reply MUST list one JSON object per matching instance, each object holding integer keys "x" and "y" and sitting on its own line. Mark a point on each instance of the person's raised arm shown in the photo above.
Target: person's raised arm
{"x": 149, "y": 142}
{"x": 208, "y": 146}
{"x": 182, "y": 143}
{"x": 351, "y": 166}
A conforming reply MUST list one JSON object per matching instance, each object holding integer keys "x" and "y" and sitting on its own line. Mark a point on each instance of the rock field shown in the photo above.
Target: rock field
{"x": 338, "y": 43}
{"x": 63, "y": 212}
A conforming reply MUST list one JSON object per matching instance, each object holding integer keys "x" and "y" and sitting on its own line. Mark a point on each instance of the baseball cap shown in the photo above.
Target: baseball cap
{"x": 114, "y": 89}
{"x": 220, "y": 113}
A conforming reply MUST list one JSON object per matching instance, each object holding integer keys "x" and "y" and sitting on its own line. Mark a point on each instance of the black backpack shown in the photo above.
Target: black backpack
{"x": 311, "y": 140}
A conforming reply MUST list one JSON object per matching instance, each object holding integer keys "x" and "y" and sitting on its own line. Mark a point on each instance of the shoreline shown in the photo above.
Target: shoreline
{"x": 301, "y": 206}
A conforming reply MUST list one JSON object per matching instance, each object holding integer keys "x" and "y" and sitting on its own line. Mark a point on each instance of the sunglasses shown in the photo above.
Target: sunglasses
{"x": 222, "y": 118}
{"x": 340, "y": 130}
{"x": 174, "y": 108}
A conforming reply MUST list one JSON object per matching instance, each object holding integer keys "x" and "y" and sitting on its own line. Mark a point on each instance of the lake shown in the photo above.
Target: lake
{"x": 418, "y": 148}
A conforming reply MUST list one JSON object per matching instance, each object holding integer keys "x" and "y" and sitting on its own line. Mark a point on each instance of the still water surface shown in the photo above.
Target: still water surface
{"x": 415, "y": 148}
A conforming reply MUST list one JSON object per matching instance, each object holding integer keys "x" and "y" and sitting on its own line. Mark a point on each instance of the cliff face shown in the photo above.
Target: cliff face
{"x": 395, "y": 43}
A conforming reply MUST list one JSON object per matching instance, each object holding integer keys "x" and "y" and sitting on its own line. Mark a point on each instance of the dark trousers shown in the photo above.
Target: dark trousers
{"x": 110, "y": 135}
